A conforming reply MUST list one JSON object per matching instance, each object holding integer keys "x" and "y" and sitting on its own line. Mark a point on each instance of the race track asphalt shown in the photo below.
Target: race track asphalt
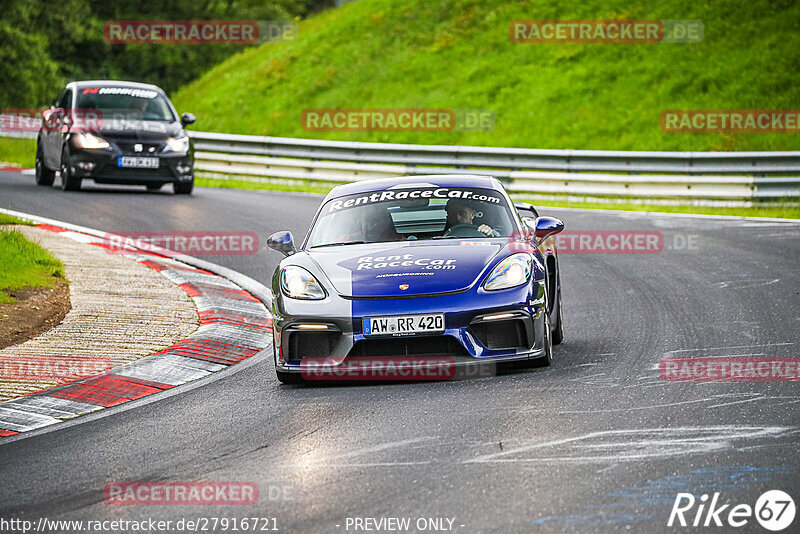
{"x": 597, "y": 442}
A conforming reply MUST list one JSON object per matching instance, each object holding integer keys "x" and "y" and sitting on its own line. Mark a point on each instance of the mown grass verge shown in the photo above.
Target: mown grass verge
{"x": 17, "y": 151}
{"x": 457, "y": 54}
{"x": 10, "y": 219}
{"x": 24, "y": 263}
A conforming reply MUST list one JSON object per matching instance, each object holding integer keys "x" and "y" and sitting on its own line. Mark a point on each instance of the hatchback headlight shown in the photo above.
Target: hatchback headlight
{"x": 298, "y": 283}
{"x": 513, "y": 271}
{"x": 87, "y": 140}
{"x": 181, "y": 144}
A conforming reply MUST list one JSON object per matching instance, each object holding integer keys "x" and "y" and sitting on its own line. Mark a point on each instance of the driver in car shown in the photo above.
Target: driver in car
{"x": 460, "y": 216}
{"x": 142, "y": 107}
{"x": 374, "y": 225}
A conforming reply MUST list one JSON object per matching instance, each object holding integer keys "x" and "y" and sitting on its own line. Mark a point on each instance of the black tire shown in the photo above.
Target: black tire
{"x": 541, "y": 361}
{"x": 546, "y": 360}
{"x": 285, "y": 378}
{"x": 289, "y": 378}
{"x": 183, "y": 188}
{"x": 558, "y": 327}
{"x": 44, "y": 176}
{"x": 154, "y": 187}
{"x": 68, "y": 182}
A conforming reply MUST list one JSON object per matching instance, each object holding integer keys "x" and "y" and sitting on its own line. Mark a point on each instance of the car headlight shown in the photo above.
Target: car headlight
{"x": 512, "y": 271}
{"x": 181, "y": 144}
{"x": 87, "y": 140}
{"x": 298, "y": 283}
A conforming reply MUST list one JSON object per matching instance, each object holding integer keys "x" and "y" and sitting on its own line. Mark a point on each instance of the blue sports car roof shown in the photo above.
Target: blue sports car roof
{"x": 437, "y": 180}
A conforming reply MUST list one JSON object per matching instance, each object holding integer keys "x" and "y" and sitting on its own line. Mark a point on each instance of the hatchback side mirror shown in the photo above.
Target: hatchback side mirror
{"x": 187, "y": 119}
{"x": 282, "y": 242}
{"x": 547, "y": 226}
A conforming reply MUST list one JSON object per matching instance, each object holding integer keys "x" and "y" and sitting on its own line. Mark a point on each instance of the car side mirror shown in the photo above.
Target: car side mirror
{"x": 526, "y": 210}
{"x": 547, "y": 226}
{"x": 187, "y": 119}
{"x": 282, "y": 242}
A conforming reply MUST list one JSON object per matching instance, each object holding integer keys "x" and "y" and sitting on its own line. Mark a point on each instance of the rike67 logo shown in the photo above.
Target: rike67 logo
{"x": 774, "y": 510}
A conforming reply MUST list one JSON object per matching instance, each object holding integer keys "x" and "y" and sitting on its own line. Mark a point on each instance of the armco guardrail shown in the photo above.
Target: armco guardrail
{"x": 708, "y": 177}
{"x": 683, "y": 176}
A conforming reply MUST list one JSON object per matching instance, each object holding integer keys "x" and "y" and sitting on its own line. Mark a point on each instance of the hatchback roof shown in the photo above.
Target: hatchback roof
{"x": 115, "y": 83}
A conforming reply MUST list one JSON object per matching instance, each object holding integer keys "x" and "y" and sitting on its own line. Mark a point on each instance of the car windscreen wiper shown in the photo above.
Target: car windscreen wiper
{"x": 338, "y": 244}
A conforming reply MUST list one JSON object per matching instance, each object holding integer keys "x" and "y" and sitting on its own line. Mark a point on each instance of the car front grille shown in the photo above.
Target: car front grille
{"x": 423, "y": 346}
{"x": 148, "y": 149}
{"x": 112, "y": 172}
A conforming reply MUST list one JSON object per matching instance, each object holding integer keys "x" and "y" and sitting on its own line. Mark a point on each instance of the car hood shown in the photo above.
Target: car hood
{"x": 138, "y": 130}
{"x": 408, "y": 268}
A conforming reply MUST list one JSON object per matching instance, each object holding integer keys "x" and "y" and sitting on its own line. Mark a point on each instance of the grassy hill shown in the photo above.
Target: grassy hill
{"x": 457, "y": 54}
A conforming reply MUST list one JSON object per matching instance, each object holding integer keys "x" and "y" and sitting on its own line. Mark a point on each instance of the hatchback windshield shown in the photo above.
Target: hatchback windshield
{"x": 402, "y": 214}
{"x": 126, "y": 103}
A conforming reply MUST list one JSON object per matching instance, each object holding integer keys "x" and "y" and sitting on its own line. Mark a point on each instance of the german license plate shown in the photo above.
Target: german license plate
{"x": 137, "y": 162}
{"x": 403, "y": 324}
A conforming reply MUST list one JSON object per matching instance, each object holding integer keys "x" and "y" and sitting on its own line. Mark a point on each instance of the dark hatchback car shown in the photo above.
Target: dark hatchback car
{"x": 115, "y": 132}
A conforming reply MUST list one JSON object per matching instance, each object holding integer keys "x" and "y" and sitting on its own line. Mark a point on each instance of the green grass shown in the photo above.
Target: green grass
{"x": 24, "y": 263}
{"x": 20, "y": 152}
{"x": 783, "y": 211}
{"x": 10, "y": 219}
{"x": 457, "y": 54}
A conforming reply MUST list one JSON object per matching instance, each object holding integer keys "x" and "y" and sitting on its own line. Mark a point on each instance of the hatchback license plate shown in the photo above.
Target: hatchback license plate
{"x": 137, "y": 162}
{"x": 403, "y": 324}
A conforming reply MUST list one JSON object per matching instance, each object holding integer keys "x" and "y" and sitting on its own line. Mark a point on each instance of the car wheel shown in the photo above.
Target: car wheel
{"x": 544, "y": 361}
{"x": 154, "y": 187}
{"x": 289, "y": 378}
{"x": 541, "y": 361}
{"x": 183, "y": 188}
{"x": 68, "y": 182}
{"x": 558, "y": 328}
{"x": 44, "y": 176}
{"x": 285, "y": 378}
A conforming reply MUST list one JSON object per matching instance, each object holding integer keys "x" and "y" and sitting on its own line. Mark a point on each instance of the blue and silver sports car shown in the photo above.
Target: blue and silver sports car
{"x": 442, "y": 269}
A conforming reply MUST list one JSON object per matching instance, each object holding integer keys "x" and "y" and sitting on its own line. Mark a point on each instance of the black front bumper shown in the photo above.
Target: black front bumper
{"x": 101, "y": 166}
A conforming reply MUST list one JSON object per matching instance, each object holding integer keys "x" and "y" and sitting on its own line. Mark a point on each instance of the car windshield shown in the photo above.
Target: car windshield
{"x": 412, "y": 213}
{"x": 125, "y": 103}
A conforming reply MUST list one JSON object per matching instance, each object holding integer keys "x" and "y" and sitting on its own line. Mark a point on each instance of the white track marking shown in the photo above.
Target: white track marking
{"x": 745, "y": 284}
{"x": 731, "y": 347}
{"x": 629, "y": 445}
